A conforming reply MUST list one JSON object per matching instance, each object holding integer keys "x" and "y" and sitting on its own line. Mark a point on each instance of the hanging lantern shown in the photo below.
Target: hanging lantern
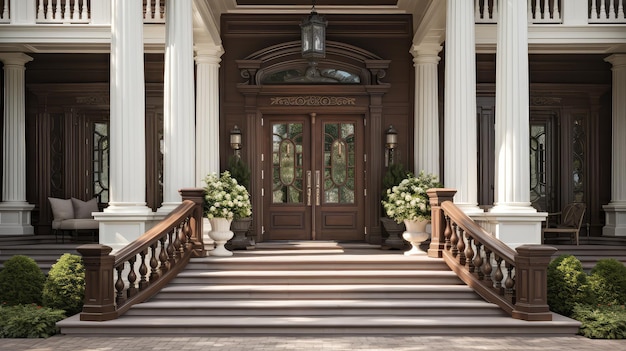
{"x": 313, "y": 29}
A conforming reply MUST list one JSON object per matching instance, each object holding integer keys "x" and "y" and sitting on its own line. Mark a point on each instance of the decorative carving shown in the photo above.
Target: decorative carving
{"x": 542, "y": 100}
{"x": 313, "y": 100}
{"x": 93, "y": 100}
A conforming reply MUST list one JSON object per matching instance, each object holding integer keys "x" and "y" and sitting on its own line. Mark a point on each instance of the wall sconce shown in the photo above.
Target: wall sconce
{"x": 235, "y": 139}
{"x": 391, "y": 140}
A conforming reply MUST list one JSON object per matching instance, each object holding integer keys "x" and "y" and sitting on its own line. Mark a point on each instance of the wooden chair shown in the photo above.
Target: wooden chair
{"x": 571, "y": 219}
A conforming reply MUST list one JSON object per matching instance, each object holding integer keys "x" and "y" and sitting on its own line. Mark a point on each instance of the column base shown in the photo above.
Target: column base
{"x": 117, "y": 229}
{"x": 15, "y": 218}
{"x": 615, "y": 219}
{"x": 514, "y": 228}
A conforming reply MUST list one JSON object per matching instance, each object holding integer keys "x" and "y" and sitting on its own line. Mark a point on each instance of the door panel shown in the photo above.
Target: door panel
{"x": 313, "y": 182}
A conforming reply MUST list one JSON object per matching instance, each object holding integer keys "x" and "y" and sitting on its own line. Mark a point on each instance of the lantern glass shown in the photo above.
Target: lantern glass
{"x": 313, "y": 31}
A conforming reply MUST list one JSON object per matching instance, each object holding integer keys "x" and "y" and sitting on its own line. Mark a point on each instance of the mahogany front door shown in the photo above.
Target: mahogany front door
{"x": 313, "y": 177}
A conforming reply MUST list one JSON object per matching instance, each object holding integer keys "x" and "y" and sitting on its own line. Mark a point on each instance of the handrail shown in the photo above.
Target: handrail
{"x": 111, "y": 281}
{"x": 515, "y": 280}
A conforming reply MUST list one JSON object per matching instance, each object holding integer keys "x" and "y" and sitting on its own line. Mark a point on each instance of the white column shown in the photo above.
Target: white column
{"x": 616, "y": 209}
{"x": 460, "y": 144}
{"x": 513, "y": 220}
{"x": 512, "y": 143}
{"x": 207, "y": 120}
{"x": 127, "y": 215}
{"x": 178, "y": 107}
{"x": 14, "y": 209}
{"x": 207, "y": 112}
{"x": 426, "y": 145}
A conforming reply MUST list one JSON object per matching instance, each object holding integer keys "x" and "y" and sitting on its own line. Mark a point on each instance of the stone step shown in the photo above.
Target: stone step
{"x": 273, "y": 277}
{"x": 340, "y": 307}
{"x": 179, "y": 292}
{"x": 318, "y": 325}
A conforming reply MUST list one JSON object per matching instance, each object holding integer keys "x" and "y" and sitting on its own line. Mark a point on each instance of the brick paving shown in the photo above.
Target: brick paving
{"x": 262, "y": 343}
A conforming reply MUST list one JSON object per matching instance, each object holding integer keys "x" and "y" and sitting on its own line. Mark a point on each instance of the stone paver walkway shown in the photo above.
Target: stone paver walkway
{"x": 370, "y": 343}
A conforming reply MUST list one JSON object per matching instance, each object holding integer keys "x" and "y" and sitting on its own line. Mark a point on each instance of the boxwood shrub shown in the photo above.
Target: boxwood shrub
{"x": 21, "y": 281}
{"x": 65, "y": 286}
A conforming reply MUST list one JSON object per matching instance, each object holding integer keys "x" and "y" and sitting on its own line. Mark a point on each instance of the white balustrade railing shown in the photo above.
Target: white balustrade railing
{"x": 63, "y": 11}
{"x": 539, "y": 11}
{"x": 551, "y": 11}
{"x": 154, "y": 11}
{"x": 607, "y": 11}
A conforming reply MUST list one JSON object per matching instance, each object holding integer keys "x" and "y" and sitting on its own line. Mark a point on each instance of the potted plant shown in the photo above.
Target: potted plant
{"x": 225, "y": 200}
{"x": 408, "y": 202}
{"x": 240, "y": 225}
{"x": 394, "y": 175}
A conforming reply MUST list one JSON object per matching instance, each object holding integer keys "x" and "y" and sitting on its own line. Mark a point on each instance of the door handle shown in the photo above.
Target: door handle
{"x": 308, "y": 188}
{"x": 317, "y": 188}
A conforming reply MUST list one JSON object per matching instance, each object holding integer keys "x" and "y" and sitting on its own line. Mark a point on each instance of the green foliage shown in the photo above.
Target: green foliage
{"x": 601, "y": 322}
{"x": 65, "y": 287}
{"x": 567, "y": 284}
{"x": 394, "y": 175}
{"x": 21, "y": 281}
{"x": 608, "y": 281}
{"x": 28, "y": 321}
{"x": 239, "y": 170}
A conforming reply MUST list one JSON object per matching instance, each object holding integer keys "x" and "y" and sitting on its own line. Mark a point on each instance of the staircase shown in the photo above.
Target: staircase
{"x": 589, "y": 255}
{"x": 42, "y": 248}
{"x": 316, "y": 289}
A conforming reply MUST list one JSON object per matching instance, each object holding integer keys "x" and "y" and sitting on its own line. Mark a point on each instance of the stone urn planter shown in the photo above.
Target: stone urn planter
{"x": 240, "y": 227}
{"x": 415, "y": 234}
{"x": 395, "y": 230}
{"x": 220, "y": 233}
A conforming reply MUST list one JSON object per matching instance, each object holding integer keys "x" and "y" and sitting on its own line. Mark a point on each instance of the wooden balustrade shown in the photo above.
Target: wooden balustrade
{"x": 515, "y": 280}
{"x": 607, "y": 11}
{"x": 113, "y": 283}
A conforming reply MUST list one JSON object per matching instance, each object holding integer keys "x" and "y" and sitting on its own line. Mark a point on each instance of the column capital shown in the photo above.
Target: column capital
{"x": 209, "y": 55}
{"x": 426, "y": 49}
{"x": 15, "y": 58}
{"x": 617, "y": 60}
{"x": 426, "y": 53}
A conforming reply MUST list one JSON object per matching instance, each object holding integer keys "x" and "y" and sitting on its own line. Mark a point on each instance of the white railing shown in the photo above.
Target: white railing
{"x": 551, "y": 11}
{"x": 539, "y": 11}
{"x": 607, "y": 11}
{"x": 154, "y": 11}
{"x": 71, "y": 11}
{"x": 63, "y": 11}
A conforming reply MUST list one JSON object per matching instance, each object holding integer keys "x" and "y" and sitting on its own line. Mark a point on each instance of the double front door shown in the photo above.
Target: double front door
{"x": 313, "y": 177}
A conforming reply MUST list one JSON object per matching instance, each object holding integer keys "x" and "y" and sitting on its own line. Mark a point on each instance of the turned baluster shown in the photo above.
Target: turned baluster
{"x": 498, "y": 275}
{"x": 469, "y": 253}
{"x": 487, "y": 267}
{"x": 143, "y": 270}
{"x": 163, "y": 256}
{"x": 132, "y": 278}
{"x": 119, "y": 286}
{"x": 509, "y": 284}
{"x": 177, "y": 244}
{"x": 187, "y": 234}
{"x": 447, "y": 233}
{"x": 170, "y": 249}
{"x": 454, "y": 239}
{"x": 478, "y": 260}
{"x": 154, "y": 264}
{"x": 460, "y": 246}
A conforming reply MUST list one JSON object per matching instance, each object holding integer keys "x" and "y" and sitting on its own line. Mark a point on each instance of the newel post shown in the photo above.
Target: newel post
{"x": 437, "y": 219}
{"x": 531, "y": 283}
{"x": 197, "y": 196}
{"x": 99, "y": 302}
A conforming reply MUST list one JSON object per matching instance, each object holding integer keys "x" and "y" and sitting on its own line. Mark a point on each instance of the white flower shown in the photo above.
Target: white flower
{"x": 225, "y": 198}
{"x": 409, "y": 200}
